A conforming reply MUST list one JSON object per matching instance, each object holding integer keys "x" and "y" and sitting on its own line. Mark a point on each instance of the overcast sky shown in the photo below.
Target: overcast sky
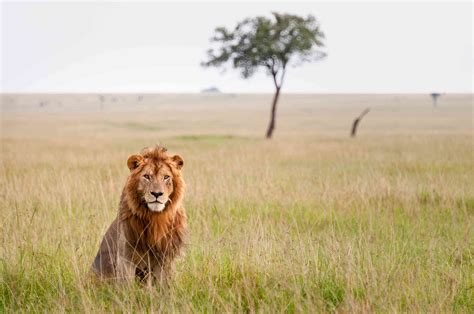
{"x": 158, "y": 47}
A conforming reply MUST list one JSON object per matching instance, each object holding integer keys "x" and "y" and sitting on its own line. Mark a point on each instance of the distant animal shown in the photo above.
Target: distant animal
{"x": 148, "y": 233}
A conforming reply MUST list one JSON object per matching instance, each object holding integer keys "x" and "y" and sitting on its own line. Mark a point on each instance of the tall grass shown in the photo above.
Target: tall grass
{"x": 302, "y": 223}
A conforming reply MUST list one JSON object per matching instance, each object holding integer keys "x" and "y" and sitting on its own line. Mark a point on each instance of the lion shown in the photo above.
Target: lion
{"x": 148, "y": 233}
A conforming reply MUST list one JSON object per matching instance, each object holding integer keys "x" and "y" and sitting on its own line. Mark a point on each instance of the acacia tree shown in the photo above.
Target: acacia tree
{"x": 272, "y": 43}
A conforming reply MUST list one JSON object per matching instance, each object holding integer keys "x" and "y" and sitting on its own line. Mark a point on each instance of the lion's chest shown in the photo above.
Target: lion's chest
{"x": 154, "y": 247}
{"x": 156, "y": 241}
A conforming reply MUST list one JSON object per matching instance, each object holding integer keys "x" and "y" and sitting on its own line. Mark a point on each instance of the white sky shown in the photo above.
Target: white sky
{"x": 158, "y": 47}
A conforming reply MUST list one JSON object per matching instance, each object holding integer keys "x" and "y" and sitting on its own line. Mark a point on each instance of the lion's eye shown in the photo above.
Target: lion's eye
{"x": 166, "y": 177}
{"x": 146, "y": 176}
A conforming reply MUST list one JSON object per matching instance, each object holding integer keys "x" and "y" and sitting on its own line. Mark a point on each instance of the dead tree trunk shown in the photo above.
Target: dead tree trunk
{"x": 355, "y": 124}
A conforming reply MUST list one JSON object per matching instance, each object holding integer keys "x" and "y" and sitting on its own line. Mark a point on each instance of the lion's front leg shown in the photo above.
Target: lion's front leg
{"x": 162, "y": 273}
{"x": 126, "y": 268}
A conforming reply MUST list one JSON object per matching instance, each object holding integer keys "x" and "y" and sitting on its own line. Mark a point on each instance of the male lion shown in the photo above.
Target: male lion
{"x": 148, "y": 232}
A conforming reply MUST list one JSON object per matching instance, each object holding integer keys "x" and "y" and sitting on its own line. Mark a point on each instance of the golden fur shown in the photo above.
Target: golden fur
{"x": 148, "y": 233}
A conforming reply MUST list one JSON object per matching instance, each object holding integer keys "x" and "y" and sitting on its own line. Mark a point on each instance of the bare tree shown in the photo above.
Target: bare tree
{"x": 435, "y": 97}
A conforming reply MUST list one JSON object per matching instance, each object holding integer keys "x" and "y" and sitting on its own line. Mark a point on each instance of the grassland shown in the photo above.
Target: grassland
{"x": 311, "y": 221}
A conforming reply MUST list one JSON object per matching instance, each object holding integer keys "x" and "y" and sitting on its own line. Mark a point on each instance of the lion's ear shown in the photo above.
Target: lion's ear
{"x": 134, "y": 161}
{"x": 178, "y": 161}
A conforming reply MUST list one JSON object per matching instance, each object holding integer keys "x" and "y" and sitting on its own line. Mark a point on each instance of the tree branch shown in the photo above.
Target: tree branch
{"x": 274, "y": 75}
{"x": 282, "y": 77}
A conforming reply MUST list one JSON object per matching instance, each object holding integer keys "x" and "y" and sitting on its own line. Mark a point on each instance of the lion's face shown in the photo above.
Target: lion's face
{"x": 154, "y": 179}
{"x": 156, "y": 185}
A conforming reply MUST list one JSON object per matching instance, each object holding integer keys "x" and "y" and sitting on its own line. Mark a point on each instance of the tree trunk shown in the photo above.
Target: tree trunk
{"x": 271, "y": 126}
{"x": 354, "y": 127}
{"x": 356, "y": 122}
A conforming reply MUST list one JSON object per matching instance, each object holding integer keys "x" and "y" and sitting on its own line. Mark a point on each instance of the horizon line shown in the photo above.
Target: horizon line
{"x": 233, "y": 93}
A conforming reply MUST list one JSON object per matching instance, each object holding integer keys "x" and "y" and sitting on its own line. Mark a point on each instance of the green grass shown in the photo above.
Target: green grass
{"x": 208, "y": 137}
{"x": 134, "y": 126}
{"x": 310, "y": 223}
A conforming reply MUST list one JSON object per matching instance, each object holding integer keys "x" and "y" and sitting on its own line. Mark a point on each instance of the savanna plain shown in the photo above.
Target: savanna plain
{"x": 310, "y": 221}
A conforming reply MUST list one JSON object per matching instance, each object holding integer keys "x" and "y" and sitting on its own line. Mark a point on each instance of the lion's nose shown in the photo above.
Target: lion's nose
{"x": 156, "y": 194}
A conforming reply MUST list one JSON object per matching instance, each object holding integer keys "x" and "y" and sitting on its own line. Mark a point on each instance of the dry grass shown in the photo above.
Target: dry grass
{"x": 310, "y": 221}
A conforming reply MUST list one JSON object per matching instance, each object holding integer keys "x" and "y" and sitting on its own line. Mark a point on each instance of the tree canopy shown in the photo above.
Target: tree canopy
{"x": 273, "y": 43}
